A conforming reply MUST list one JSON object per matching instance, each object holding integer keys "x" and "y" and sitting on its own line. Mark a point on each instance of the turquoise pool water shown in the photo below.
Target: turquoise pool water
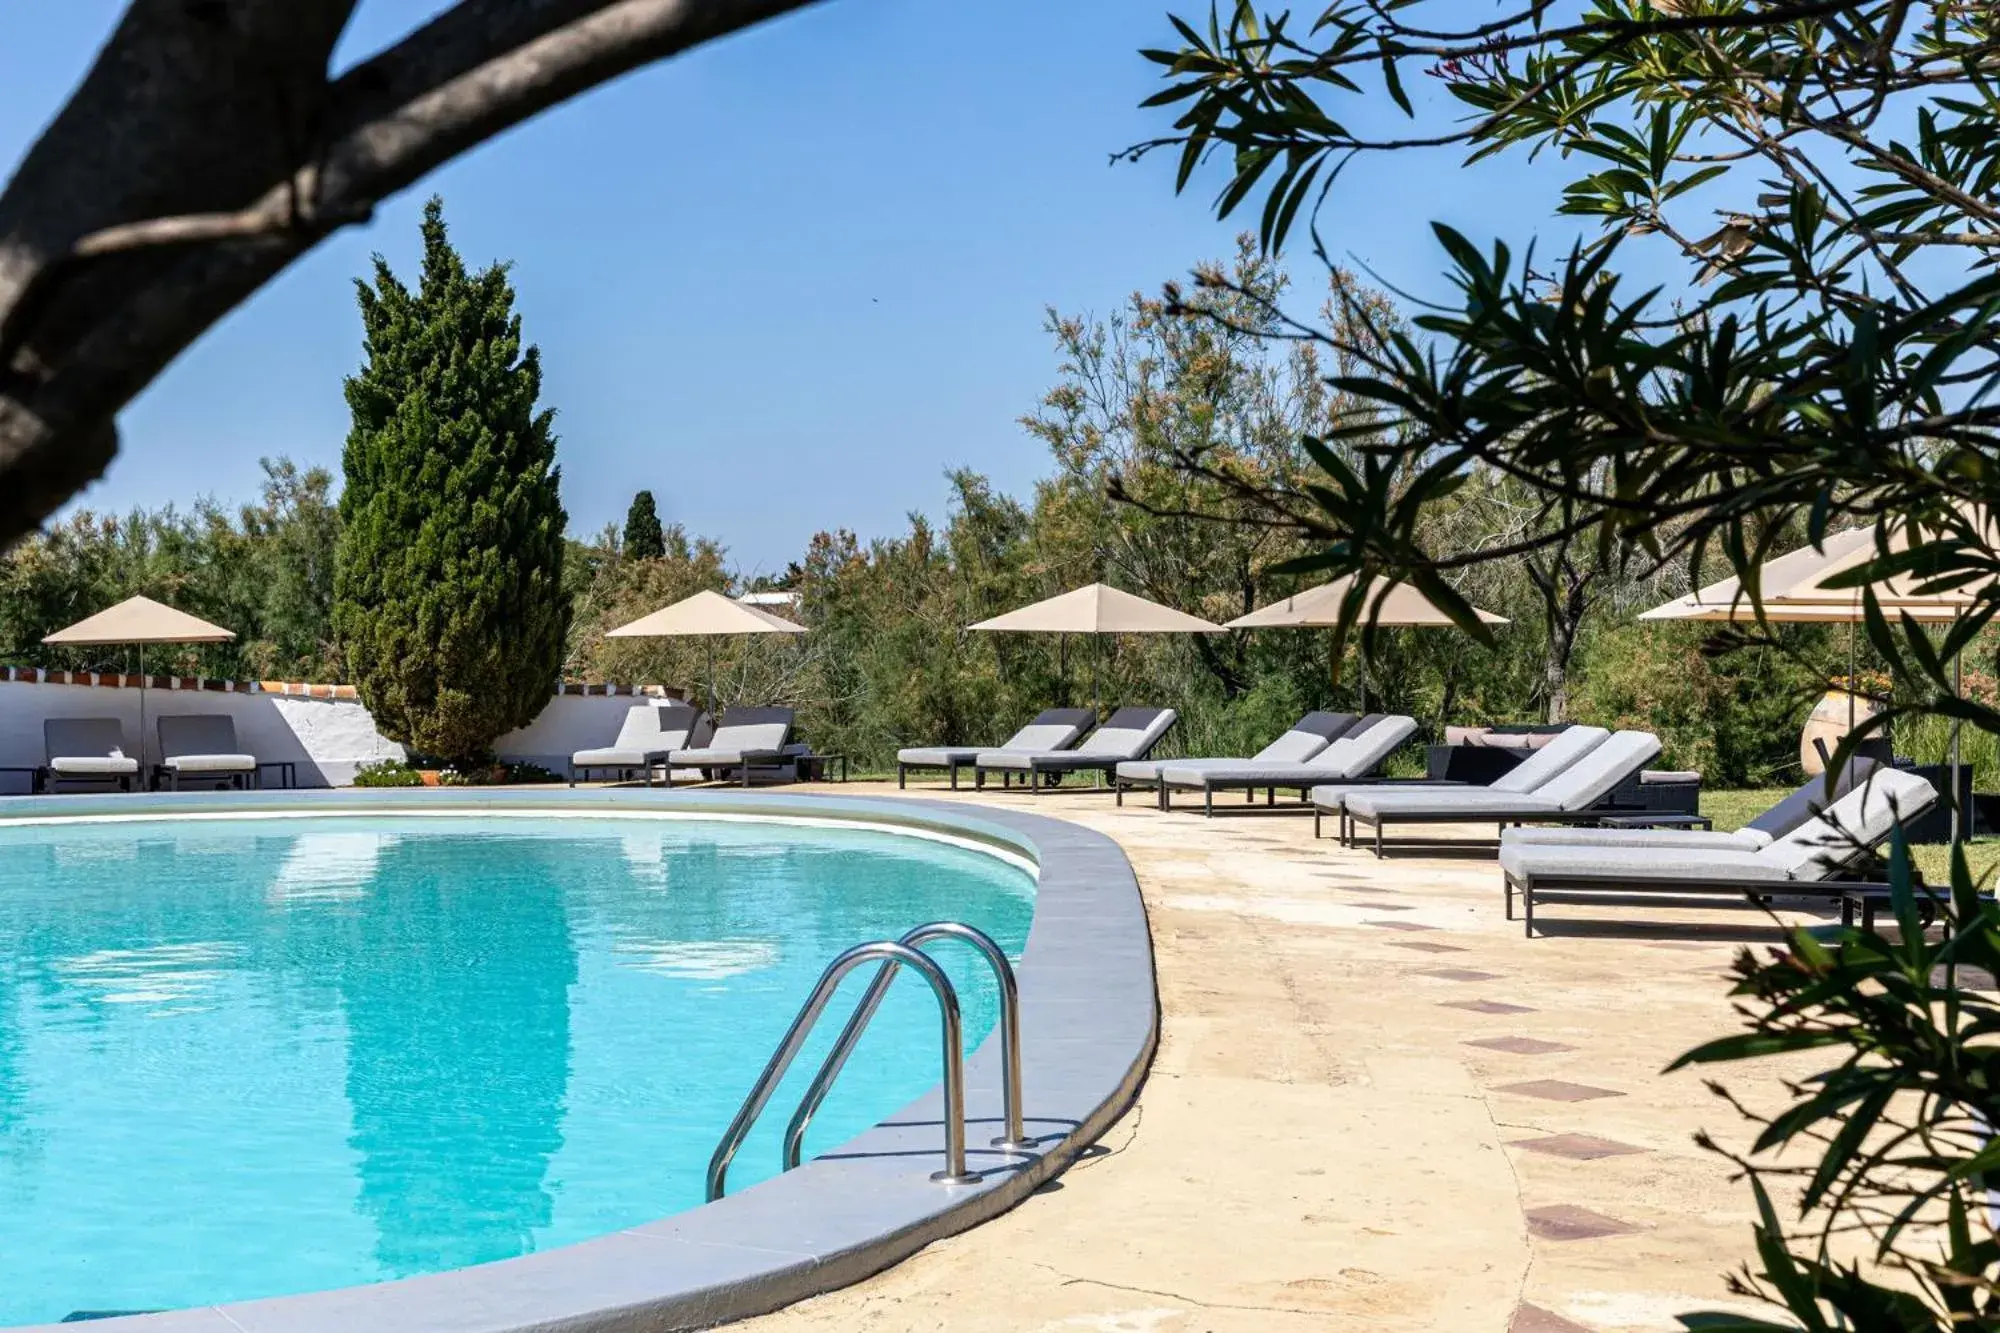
{"x": 250, "y": 1057}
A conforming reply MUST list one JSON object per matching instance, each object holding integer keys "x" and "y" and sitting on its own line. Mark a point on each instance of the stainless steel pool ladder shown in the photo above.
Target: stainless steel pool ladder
{"x": 893, "y": 955}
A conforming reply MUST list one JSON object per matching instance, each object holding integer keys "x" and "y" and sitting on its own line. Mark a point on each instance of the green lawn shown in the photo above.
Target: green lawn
{"x": 1734, "y": 809}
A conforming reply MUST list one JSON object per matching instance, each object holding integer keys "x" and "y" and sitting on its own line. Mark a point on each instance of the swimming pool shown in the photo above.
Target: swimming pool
{"x": 240, "y": 1058}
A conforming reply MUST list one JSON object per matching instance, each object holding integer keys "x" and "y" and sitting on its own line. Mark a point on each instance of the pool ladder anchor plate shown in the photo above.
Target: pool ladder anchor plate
{"x": 893, "y": 955}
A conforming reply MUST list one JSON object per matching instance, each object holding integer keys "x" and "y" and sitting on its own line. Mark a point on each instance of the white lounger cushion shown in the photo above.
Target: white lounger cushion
{"x": 87, "y": 747}
{"x": 210, "y": 763}
{"x": 94, "y": 766}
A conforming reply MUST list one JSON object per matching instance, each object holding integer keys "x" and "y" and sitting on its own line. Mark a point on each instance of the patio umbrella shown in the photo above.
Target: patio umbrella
{"x": 140, "y": 621}
{"x": 1400, "y": 607}
{"x": 1097, "y": 609}
{"x": 1793, "y": 591}
{"x": 706, "y": 615}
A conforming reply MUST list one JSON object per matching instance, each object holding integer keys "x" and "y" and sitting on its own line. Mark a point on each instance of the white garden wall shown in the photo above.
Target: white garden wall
{"x": 323, "y": 730}
{"x": 327, "y": 739}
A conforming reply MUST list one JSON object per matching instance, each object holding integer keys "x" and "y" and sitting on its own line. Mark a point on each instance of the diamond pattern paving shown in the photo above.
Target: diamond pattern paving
{"x": 1534, "y": 1319}
{"x": 1399, "y": 925}
{"x": 1578, "y": 1147}
{"x": 1458, "y": 974}
{"x": 1425, "y": 946}
{"x": 1556, "y": 1090}
{"x": 1521, "y": 1045}
{"x": 1488, "y": 1007}
{"x": 1566, "y": 1221}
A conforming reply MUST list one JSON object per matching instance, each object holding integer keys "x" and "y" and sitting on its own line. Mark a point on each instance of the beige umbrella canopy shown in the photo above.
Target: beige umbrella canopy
{"x": 1096, "y": 609}
{"x": 139, "y": 620}
{"x": 1319, "y": 608}
{"x": 707, "y": 615}
{"x": 1400, "y": 607}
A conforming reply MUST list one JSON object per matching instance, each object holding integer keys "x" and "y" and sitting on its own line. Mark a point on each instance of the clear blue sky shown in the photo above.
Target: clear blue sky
{"x": 785, "y": 282}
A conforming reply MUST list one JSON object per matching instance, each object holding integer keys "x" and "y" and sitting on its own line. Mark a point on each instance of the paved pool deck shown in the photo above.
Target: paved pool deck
{"x": 1374, "y": 1106}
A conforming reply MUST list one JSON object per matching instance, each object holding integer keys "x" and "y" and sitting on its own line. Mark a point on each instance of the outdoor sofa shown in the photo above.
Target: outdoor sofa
{"x": 202, "y": 747}
{"x": 1574, "y": 794}
{"x": 1052, "y": 729}
{"x": 1561, "y": 751}
{"x": 1355, "y": 755}
{"x": 1129, "y": 733}
{"x": 1803, "y": 863}
{"x": 648, "y": 733}
{"x": 85, "y": 749}
{"x": 746, "y": 740}
{"x": 1308, "y": 736}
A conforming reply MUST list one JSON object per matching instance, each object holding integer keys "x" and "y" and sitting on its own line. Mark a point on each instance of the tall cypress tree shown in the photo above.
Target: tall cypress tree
{"x": 643, "y": 537}
{"x": 448, "y": 598}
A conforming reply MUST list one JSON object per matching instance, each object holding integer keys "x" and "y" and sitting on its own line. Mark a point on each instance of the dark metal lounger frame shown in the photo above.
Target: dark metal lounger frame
{"x": 1350, "y": 823}
{"x": 1867, "y": 895}
{"x": 652, "y": 760}
{"x": 903, "y": 769}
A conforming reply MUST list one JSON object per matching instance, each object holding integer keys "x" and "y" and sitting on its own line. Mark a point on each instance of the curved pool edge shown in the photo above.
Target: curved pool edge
{"x": 1090, "y": 1024}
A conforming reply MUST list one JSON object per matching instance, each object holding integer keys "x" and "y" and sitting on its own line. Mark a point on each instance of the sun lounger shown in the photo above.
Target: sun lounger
{"x": 1808, "y": 801}
{"x": 1052, "y": 729}
{"x": 1802, "y": 863}
{"x": 1355, "y": 755}
{"x": 1573, "y": 795}
{"x": 202, "y": 747}
{"x": 1308, "y": 736}
{"x": 1539, "y": 767}
{"x": 85, "y": 749}
{"x": 746, "y": 739}
{"x": 1129, "y": 733}
{"x": 647, "y": 735}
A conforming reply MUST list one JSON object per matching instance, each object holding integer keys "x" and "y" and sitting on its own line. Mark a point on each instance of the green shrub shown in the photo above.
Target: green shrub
{"x": 388, "y": 773}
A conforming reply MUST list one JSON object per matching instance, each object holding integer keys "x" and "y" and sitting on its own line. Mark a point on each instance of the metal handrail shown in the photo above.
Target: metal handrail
{"x": 954, "y": 1172}
{"x": 1015, "y": 1138}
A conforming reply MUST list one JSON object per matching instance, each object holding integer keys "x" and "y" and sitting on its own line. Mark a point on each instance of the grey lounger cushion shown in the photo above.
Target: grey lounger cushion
{"x": 646, "y": 734}
{"x": 1576, "y": 787}
{"x": 202, "y": 743}
{"x": 1597, "y": 774}
{"x": 1564, "y": 750}
{"x": 1862, "y": 818}
{"x": 91, "y": 747}
{"x": 1743, "y": 839}
{"x": 1052, "y": 729}
{"x": 1723, "y": 865}
{"x": 1472, "y": 802}
{"x": 1354, "y": 755}
{"x": 1306, "y": 738}
{"x": 1126, "y": 734}
{"x": 742, "y": 731}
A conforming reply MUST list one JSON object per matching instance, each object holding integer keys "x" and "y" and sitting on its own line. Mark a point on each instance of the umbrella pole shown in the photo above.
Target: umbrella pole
{"x": 142, "y": 716}
{"x": 710, "y": 641}
{"x": 1062, "y": 668}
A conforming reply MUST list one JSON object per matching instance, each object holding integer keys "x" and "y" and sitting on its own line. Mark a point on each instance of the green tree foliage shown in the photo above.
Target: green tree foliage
{"x": 644, "y": 539}
{"x": 449, "y": 602}
{"x": 1823, "y": 358}
{"x": 265, "y": 571}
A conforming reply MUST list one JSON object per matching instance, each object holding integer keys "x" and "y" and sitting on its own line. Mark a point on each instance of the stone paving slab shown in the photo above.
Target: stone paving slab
{"x": 1321, "y": 1147}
